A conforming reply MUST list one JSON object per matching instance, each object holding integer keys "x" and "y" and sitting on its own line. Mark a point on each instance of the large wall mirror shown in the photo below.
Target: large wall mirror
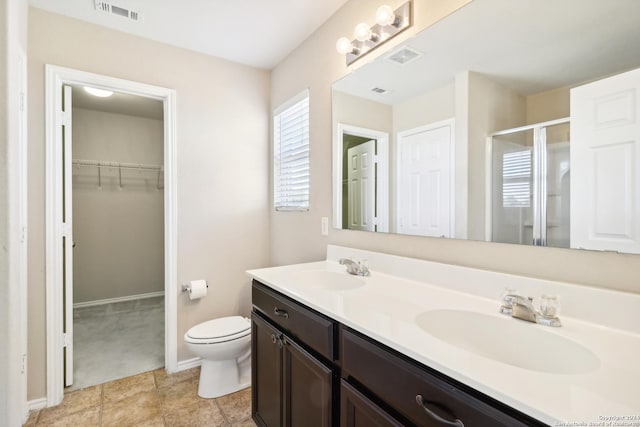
{"x": 507, "y": 121}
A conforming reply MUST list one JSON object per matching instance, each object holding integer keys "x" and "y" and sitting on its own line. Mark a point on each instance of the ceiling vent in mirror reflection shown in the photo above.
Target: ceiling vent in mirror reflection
{"x": 378, "y": 90}
{"x": 404, "y": 55}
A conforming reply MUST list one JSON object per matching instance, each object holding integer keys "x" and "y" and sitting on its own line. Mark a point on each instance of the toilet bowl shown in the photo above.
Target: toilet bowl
{"x": 224, "y": 344}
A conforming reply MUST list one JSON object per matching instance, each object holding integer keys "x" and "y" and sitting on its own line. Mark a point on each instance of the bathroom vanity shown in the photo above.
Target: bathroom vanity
{"x": 421, "y": 343}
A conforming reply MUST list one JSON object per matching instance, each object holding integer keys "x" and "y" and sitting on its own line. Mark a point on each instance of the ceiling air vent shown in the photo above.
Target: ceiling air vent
{"x": 112, "y": 9}
{"x": 404, "y": 55}
{"x": 378, "y": 90}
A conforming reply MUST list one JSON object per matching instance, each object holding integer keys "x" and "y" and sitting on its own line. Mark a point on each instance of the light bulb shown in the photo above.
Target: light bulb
{"x": 362, "y": 32}
{"x": 101, "y": 93}
{"x": 385, "y": 15}
{"x": 344, "y": 46}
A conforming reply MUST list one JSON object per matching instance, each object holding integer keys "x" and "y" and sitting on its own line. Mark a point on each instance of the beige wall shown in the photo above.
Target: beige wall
{"x": 491, "y": 107}
{"x": 430, "y": 107}
{"x": 119, "y": 232}
{"x": 548, "y": 105}
{"x": 355, "y": 111}
{"x": 315, "y": 64}
{"x": 222, "y": 162}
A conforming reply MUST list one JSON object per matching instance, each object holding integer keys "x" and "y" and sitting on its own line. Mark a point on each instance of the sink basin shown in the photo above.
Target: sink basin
{"x": 329, "y": 280}
{"x": 507, "y": 340}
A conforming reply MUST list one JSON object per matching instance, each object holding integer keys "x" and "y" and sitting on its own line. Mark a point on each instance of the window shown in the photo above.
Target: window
{"x": 291, "y": 154}
{"x": 516, "y": 179}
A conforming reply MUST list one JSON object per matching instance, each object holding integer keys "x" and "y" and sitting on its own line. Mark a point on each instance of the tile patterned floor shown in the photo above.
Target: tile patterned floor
{"x": 147, "y": 400}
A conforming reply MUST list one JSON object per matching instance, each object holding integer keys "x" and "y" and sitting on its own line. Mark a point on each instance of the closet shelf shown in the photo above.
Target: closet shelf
{"x": 116, "y": 165}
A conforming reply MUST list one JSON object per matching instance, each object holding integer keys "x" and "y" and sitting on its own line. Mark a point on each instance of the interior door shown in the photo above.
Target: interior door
{"x": 605, "y": 164}
{"x": 67, "y": 236}
{"x": 424, "y": 182}
{"x": 361, "y": 192}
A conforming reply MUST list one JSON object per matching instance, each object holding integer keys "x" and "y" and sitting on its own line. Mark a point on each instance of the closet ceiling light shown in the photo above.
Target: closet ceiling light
{"x": 101, "y": 93}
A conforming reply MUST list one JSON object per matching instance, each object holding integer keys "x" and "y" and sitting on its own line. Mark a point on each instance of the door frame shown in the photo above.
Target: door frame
{"x": 382, "y": 194}
{"x": 55, "y": 78}
{"x": 401, "y": 136}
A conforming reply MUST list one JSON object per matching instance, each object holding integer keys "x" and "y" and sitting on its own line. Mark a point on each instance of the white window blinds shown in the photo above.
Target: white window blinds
{"x": 516, "y": 179}
{"x": 291, "y": 154}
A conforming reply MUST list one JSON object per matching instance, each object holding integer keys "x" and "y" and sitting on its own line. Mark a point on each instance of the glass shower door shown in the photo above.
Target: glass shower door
{"x": 530, "y": 185}
{"x": 512, "y": 187}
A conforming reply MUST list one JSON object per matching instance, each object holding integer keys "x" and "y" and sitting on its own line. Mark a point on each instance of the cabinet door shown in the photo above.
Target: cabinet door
{"x": 308, "y": 385}
{"x": 358, "y": 411}
{"x": 266, "y": 373}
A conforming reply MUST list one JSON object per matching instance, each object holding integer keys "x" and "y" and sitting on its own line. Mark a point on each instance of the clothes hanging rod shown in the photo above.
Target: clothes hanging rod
{"x": 116, "y": 165}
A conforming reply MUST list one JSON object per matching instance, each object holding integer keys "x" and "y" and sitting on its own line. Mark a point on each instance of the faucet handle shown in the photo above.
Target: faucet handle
{"x": 363, "y": 267}
{"x": 549, "y": 305}
{"x": 507, "y": 296}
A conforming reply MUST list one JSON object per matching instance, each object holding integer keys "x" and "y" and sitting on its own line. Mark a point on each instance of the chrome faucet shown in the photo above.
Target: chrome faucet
{"x": 522, "y": 308}
{"x": 356, "y": 268}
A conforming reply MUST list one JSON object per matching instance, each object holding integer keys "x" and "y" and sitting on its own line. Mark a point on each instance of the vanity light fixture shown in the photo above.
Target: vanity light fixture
{"x": 385, "y": 15}
{"x": 100, "y": 93}
{"x": 344, "y": 46}
{"x": 389, "y": 23}
{"x": 363, "y": 33}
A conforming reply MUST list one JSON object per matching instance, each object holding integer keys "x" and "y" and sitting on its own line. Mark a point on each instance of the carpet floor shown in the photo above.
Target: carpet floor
{"x": 117, "y": 340}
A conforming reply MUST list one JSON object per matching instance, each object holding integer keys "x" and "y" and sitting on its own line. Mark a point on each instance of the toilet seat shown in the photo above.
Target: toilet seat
{"x": 219, "y": 330}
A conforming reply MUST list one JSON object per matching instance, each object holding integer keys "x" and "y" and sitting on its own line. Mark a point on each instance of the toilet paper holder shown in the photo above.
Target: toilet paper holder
{"x": 187, "y": 287}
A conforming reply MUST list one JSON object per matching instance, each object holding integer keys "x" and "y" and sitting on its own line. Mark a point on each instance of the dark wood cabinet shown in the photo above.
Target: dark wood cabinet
{"x": 291, "y": 386}
{"x": 308, "y": 388}
{"x": 316, "y": 331}
{"x": 308, "y": 370}
{"x": 266, "y": 373}
{"x": 416, "y": 394}
{"x": 356, "y": 410}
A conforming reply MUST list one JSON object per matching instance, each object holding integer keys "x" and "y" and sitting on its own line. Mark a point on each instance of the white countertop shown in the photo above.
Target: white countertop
{"x": 386, "y": 306}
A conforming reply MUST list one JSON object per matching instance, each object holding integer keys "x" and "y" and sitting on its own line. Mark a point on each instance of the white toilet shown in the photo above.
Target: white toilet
{"x": 224, "y": 344}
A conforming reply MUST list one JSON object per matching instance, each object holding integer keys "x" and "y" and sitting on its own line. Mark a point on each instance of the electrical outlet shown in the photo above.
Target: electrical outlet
{"x": 324, "y": 226}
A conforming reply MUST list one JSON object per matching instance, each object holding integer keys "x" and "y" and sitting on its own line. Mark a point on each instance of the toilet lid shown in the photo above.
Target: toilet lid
{"x": 223, "y": 327}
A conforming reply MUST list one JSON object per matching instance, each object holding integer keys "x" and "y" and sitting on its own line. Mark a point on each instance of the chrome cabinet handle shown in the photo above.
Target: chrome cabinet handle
{"x": 275, "y": 339}
{"x": 421, "y": 402}
{"x": 279, "y": 312}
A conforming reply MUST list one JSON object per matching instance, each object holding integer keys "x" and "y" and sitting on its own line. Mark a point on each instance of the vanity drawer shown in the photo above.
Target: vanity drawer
{"x": 398, "y": 382}
{"x": 306, "y": 325}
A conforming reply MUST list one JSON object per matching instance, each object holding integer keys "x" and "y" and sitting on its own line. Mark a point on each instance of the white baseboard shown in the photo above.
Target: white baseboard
{"x": 119, "y": 299}
{"x": 37, "y": 404}
{"x": 183, "y": 365}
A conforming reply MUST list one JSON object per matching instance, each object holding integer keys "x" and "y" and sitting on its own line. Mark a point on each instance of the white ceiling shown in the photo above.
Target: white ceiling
{"x": 259, "y": 33}
{"x": 528, "y": 45}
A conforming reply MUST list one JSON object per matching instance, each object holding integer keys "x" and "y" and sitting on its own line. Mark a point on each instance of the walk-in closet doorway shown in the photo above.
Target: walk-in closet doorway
{"x": 111, "y": 253}
{"x": 118, "y": 235}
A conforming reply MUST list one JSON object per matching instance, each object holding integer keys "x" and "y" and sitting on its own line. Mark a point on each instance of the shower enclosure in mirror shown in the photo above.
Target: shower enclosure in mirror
{"x": 529, "y": 176}
{"x": 455, "y": 167}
